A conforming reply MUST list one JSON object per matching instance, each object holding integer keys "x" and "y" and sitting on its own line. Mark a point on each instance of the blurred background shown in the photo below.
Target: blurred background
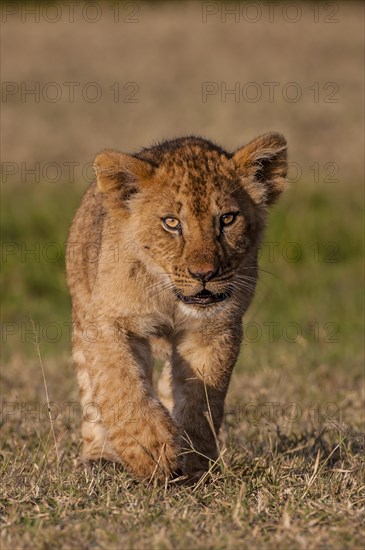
{"x": 80, "y": 78}
{"x": 124, "y": 75}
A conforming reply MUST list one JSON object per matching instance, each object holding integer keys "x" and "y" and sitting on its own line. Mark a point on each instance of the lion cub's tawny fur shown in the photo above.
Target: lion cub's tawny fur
{"x": 162, "y": 259}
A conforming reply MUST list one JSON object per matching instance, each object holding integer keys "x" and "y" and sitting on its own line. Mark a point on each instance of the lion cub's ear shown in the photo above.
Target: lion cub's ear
{"x": 119, "y": 174}
{"x": 262, "y": 165}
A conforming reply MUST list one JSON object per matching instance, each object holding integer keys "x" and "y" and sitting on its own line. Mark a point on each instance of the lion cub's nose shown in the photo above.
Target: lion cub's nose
{"x": 203, "y": 272}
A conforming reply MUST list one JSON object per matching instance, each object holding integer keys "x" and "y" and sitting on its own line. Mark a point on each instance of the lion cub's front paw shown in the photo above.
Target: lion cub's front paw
{"x": 195, "y": 464}
{"x": 149, "y": 447}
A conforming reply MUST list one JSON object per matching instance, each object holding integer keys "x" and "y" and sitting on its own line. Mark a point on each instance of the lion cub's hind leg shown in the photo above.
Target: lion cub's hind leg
{"x": 164, "y": 386}
{"x": 162, "y": 350}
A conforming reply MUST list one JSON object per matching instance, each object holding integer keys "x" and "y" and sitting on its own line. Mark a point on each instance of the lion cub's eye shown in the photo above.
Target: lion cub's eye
{"x": 228, "y": 219}
{"x": 171, "y": 223}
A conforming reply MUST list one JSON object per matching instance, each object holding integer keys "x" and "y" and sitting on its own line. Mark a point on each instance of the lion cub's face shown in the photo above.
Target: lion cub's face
{"x": 195, "y": 211}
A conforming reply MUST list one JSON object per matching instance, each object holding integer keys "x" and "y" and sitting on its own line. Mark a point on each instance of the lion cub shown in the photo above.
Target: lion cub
{"x": 162, "y": 259}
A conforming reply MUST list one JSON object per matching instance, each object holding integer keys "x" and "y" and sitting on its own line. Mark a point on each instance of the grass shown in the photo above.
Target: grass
{"x": 291, "y": 469}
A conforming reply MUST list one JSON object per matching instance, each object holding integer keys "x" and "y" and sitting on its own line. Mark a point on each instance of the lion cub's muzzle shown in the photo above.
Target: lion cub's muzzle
{"x": 204, "y": 286}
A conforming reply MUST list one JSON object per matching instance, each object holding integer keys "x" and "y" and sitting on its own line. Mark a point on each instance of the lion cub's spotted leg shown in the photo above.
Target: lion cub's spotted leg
{"x": 94, "y": 436}
{"x": 201, "y": 374}
{"x": 138, "y": 426}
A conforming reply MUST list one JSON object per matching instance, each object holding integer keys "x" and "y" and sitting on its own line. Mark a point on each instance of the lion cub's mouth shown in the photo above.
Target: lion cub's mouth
{"x": 203, "y": 298}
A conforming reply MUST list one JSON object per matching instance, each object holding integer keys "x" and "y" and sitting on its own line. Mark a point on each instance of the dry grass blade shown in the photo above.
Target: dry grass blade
{"x": 46, "y": 392}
